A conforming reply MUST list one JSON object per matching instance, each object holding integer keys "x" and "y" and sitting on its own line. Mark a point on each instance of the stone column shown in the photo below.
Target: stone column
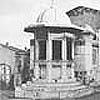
{"x": 64, "y": 59}
{"x": 72, "y": 71}
{"x": 99, "y": 58}
{"x": 32, "y": 43}
{"x": 49, "y": 58}
{"x": 97, "y": 72}
{"x": 37, "y": 49}
{"x": 63, "y": 49}
{"x": 22, "y": 61}
{"x": 72, "y": 65}
{"x": 73, "y": 43}
{"x": 36, "y": 70}
{"x": 49, "y": 70}
{"x": 88, "y": 53}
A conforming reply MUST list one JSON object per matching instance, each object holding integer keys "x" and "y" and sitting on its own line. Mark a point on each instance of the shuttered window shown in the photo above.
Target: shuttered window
{"x": 69, "y": 48}
{"x": 56, "y": 49}
{"x": 42, "y": 49}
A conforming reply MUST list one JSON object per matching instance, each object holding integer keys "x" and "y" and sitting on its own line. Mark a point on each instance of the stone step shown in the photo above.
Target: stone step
{"x": 50, "y": 85}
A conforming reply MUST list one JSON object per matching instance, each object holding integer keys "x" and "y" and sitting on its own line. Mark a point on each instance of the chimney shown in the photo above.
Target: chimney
{"x": 7, "y": 43}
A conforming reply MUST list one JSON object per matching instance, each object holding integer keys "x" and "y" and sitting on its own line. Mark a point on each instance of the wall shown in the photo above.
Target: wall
{"x": 7, "y": 57}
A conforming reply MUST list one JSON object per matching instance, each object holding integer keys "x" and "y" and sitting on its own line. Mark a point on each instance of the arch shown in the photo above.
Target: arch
{"x": 5, "y": 72}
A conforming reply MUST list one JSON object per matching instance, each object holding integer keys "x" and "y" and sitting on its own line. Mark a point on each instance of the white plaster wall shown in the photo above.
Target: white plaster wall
{"x": 7, "y": 57}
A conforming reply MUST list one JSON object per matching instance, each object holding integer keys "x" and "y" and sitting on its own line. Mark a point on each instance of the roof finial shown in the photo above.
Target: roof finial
{"x": 53, "y": 6}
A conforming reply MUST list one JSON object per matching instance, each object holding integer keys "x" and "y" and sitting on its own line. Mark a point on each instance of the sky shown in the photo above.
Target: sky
{"x": 15, "y": 15}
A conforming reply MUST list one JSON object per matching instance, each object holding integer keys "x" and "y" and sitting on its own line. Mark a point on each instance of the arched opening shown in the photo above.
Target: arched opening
{"x": 5, "y": 74}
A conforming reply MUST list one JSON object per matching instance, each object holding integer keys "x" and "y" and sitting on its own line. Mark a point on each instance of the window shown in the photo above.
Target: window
{"x": 69, "y": 48}
{"x": 42, "y": 49}
{"x": 5, "y": 72}
{"x": 56, "y": 49}
{"x": 42, "y": 71}
{"x": 19, "y": 66}
{"x": 94, "y": 56}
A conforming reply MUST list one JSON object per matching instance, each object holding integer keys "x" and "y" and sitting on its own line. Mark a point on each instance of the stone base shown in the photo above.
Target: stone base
{"x": 53, "y": 93}
{"x": 48, "y": 90}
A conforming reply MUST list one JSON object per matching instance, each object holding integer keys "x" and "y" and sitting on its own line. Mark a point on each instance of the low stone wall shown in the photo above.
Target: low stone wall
{"x": 93, "y": 96}
{"x": 45, "y": 90}
{"x": 21, "y": 99}
{"x": 60, "y": 92}
{"x": 41, "y": 94}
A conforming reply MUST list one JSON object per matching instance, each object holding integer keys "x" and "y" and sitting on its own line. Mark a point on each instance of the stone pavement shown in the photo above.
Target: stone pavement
{"x": 2, "y": 96}
{"x": 6, "y": 94}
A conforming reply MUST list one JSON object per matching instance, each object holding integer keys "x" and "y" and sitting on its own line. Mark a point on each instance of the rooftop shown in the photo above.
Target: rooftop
{"x": 80, "y": 10}
{"x": 11, "y": 47}
{"x": 84, "y": 16}
{"x": 57, "y": 29}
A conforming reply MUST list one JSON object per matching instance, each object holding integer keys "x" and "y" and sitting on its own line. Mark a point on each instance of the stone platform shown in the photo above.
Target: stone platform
{"x": 52, "y": 90}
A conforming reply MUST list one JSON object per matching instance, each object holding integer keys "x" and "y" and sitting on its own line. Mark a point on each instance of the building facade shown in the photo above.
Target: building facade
{"x": 9, "y": 61}
{"x": 21, "y": 73}
{"x": 89, "y": 18}
{"x": 60, "y": 52}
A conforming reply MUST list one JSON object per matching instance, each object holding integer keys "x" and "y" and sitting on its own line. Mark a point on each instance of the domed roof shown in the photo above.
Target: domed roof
{"x": 51, "y": 17}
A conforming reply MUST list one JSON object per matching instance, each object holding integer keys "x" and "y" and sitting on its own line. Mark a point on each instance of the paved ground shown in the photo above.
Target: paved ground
{"x": 5, "y": 94}
{"x": 2, "y": 96}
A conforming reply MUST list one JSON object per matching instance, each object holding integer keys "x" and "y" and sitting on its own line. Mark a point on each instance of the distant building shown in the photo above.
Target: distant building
{"x": 90, "y": 19}
{"x": 82, "y": 16}
{"x": 21, "y": 73}
{"x": 10, "y": 61}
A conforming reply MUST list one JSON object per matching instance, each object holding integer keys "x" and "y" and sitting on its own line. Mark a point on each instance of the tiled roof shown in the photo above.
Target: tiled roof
{"x": 80, "y": 10}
